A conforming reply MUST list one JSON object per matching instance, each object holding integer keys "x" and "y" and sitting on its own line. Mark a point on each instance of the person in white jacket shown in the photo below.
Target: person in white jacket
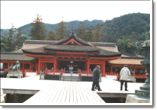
{"x": 124, "y": 76}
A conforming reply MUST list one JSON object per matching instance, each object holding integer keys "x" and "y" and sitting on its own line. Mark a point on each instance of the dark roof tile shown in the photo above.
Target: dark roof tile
{"x": 76, "y": 38}
{"x": 75, "y": 48}
{"x": 15, "y": 56}
{"x": 40, "y": 42}
{"x": 106, "y": 53}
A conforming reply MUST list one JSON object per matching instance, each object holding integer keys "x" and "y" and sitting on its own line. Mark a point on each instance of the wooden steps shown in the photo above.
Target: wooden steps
{"x": 70, "y": 77}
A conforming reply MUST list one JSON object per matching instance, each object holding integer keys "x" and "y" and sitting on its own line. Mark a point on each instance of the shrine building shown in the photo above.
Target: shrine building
{"x": 57, "y": 56}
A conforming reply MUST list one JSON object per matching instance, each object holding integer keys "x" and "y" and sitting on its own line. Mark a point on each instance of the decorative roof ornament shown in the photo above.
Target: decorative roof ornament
{"x": 73, "y": 34}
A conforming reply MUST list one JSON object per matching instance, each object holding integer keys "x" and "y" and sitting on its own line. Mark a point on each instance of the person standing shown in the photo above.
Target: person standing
{"x": 96, "y": 77}
{"x": 124, "y": 76}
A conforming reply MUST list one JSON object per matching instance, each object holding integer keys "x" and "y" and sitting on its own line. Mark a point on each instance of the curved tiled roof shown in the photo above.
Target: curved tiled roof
{"x": 128, "y": 61}
{"x": 76, "y": 38}
{"x": 46, "y": 47}
{"x": 40, "y": 42}
{"x": 15, "y": 56}
{"x": 50, "y": 50}
{"x": 75, "y": 48}
{"x": 103, "y": 44}
{"x": 36, "y": 50}
{"x": 106, "y": 53}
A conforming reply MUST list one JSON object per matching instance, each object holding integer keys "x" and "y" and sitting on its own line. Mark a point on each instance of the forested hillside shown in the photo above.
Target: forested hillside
{"x": 126, "y": 31}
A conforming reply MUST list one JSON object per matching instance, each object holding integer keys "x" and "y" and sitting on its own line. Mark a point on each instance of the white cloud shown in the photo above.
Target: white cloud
{"x": 23, "y": 12}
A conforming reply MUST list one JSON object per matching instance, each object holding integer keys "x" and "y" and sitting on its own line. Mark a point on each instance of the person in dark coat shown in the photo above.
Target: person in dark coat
{"x": 96, "y": 77}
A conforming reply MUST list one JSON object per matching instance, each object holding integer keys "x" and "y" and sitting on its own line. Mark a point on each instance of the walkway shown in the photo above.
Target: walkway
{"x": 53, "y": 92}
{"x": 66, "y": 93}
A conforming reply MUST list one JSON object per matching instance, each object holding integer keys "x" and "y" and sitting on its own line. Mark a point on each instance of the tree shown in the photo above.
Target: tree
{"x": 126, "y": 46}
{"x": 61, "y": 31}
{"x": 38, "y": 31}
{"x": 88, "y": 35}
{"x": 81, "y": 30}
{"x": 3, "y": 44}
{"x": 51, "y": 36}
{"x": 13, "y": 41}
{"x": 97, "y": 33}
{"x": 20, "y": 38}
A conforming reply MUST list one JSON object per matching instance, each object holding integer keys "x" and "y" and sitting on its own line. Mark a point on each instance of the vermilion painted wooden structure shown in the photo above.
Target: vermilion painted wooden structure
{"x": 56, "y": 57}
{"x": 9, "y": 59}
{"x": 83, "y": 56}
{"x": 134, "y": 64}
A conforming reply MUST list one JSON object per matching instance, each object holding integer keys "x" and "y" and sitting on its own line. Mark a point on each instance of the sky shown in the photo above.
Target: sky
{"x": 19, "y": 13}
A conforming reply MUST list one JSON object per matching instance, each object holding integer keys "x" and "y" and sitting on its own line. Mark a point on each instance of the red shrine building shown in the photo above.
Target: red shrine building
{"x": 58, "y": 56}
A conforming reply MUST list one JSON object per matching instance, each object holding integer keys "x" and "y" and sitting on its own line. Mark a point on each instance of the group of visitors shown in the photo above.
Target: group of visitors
{"x": 124, "y": 75}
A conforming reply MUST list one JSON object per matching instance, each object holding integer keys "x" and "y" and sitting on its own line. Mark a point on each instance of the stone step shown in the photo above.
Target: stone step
{"x": 70, "y": 78}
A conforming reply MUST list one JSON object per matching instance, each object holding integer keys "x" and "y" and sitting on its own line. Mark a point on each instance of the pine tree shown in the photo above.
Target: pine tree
{"x": 97, "y": 33}
{"x": 38, "y": 31}
{"x": 61, "y": 31}
{"x": 81, "y": 30}
{"x": 88, "y": 35}
{"x": 51, "y": 36}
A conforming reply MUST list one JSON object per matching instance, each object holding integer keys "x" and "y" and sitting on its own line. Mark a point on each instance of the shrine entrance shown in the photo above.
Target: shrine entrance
{"x": 74, "y": 65}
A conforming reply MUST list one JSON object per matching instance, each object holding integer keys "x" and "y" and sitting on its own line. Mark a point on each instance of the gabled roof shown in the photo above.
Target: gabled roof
{"x": 70, "y": 44}
{"x": 91, "y": 51}
{"x": 76, "y": 39}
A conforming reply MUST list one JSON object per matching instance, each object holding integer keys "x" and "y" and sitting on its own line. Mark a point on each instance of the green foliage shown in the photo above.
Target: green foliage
{"x": 61, "y": 31}
{"x": 127, "y": 31}
{"x": 125, "y": 45}
{"x": 38, "y": 31}
{"x": 97, "y": 33}
{"x": 13, "y": 41}
{"x": 89, "y": 34}
{"x": 81, "y": 30}
{"x": 52, "y": 36}
{"x": 127, "y": 25}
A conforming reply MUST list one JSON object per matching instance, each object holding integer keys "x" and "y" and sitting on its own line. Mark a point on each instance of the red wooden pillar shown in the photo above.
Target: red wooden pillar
{"x": 88, "y": 67}
{"x": 103, "y": 69}
{"x": 55, "y": 65}
{"x": 38, "y": 71}
{"x": 111, "y": 70}
{"x": 23, "y": 69}
{"x": 7, "y": 65}
{"x": 36, "y": 67}
{"x": 30, "y": 67}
